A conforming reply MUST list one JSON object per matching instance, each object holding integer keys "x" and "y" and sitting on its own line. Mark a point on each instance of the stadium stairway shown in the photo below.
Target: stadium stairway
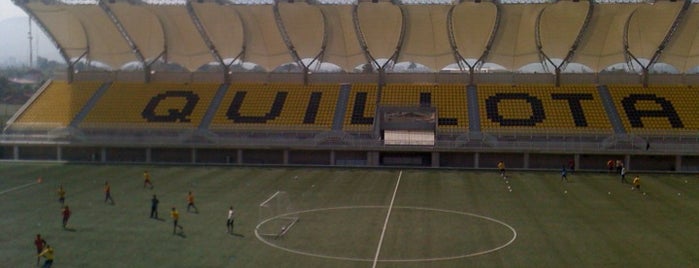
{"x": 342, "y": 100}
{"x": 202, "y": 133}
{"x": 53, "y": 108}
{"x": 473, "y": 110}
{"x": 474, "y": 134}
{"x": 620, "y": 139}
{"x": 72, "y": 131}
{"x": 26, "y": 105}
{"x": 213, "y": 107}
{"x": 612, "y": 113}
{"x": 89, "y": 105}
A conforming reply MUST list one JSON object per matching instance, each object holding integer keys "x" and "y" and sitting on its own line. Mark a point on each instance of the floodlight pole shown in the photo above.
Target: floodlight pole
{"x": 31, "y": 53}
{"x": 40, "y": 24}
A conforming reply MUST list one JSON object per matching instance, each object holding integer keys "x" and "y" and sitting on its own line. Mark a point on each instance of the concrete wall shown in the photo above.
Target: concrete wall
{"x": 344, "y": 157}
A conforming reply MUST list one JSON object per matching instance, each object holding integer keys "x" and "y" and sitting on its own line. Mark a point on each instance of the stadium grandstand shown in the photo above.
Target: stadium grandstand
{"x": 452, "y": 84}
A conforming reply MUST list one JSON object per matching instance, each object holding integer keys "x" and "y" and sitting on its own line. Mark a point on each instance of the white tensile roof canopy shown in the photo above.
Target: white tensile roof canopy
{"x": 348, "y": 35}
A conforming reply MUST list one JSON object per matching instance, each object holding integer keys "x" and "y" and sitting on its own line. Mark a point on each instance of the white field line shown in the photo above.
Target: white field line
{"x": 18, "y": 187}
{"x": 385, "y": 223}
{"x": 268, "y": 199}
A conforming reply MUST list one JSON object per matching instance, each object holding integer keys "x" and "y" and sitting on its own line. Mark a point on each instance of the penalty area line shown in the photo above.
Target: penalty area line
{"x": 18, "y": 187}
{"x": 385, "y": 223}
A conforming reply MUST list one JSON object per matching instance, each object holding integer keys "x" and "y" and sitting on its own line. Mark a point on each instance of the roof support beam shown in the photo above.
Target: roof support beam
{"x": 460, "y": 60}
{"x": 571, "y": 51}
{"x": 324, "y": 42}
{"x": 668, "y": 36}
{"x": 401, "y": 38}
{"x": 207, "y": 40}
{"x": 370, "y": 60}
{"x": 122, "y": 30}
{"x": 285, "y": 36}
{"x": 452, "y": 40}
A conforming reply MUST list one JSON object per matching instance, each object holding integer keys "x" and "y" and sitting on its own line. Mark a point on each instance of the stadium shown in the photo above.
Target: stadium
{"x": 392, "y": 115}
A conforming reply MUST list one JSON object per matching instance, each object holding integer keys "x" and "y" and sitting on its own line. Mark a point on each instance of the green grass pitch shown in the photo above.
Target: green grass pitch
{"x": 350, "y": 218}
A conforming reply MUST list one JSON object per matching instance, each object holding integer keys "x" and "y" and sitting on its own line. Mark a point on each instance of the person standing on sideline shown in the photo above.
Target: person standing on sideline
{"x": 564, "y": 174}
{"x": 623, "y": 175}
{"x": 108, "y": 193}
{"x": 154, "y": 207}
{"x": 636, "y": 183}
{"x": 40, "y": 243}
{"x": 190, "y": 202}
{"x": 146, "y": 180}
{"x": 231, "y": 219}
{"x": 66, "y": 215}
{"x": 61, "y": 194}
{"x": 175, "y": 219}
{"x": 48, "y": 254}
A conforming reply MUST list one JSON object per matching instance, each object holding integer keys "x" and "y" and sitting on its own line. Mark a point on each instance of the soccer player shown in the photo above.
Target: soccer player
{"x": 40, "y": 243}
{"x": 154, "y": 207}
{"x": 231, "y": 219}
{"x": 623, "y": 175}
{"x": 610, "y": 165}
{"x": 61, "y": 194}
{"x": 48, "y": 254}
{"x": 619, "y": 166}
{"x": 108, "y": 193}
{"x": 146, "y": 180}
{"x": 571, "y": 165}
{"x": 501, "y": 167}
{"x": 190, "y": 202}
{"x": 636, "y": 183}
{"x": 66, "y": 215}
{"x": 175, "y": 218}
{"x": 564, "y": 174}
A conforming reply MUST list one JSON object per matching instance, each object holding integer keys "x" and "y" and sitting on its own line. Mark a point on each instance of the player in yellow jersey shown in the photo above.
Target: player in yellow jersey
{"x": 501, "y": 167}
{"x": 48, "y": 254}
{"x": 190, "y": 202}
{"x": 61, "y": 194}
{"x": 147, "y": 180}
{"x": 636, "y": 183}
{"x": 175, "y": 219}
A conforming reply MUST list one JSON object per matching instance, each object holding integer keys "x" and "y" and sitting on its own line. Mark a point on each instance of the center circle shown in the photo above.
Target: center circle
{"x": 399, "y": 214}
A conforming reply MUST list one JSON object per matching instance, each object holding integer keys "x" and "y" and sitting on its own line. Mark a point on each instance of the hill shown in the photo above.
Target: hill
{"x": 15, "y": 44}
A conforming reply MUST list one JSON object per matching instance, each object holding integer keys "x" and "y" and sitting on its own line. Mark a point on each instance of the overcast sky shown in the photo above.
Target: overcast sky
{"x": 9, "y": 10}
{"x": 13, "y": 37}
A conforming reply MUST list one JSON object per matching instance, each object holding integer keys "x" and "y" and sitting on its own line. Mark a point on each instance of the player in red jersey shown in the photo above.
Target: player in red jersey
{"x": 40, "y": 243}
{"x": 66, "y": 215}
{"x": 108, "y": 193}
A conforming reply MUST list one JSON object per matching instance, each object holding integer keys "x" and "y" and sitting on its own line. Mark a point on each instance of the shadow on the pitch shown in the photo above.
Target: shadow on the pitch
{"x": 158, "y": 219}
{"x": 181, "y": 234}
{"x": 69, "y": 229}
{"x": 237, "y": 234}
